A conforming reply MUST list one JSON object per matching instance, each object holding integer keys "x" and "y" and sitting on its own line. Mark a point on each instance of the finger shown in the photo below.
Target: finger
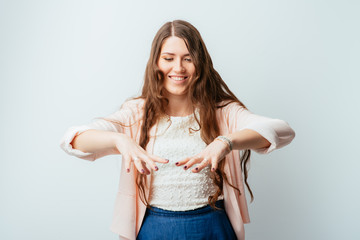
{"x": 203, "y": 164}
{"x": 146, "y": 170}
{"x": 158, "y": 159}
{"x": 150, "y": 162}
{"x": 190, "y": 163}
{"x": 214, "y": 165}
{"x": 127, "y": 163}
{"x": 184, "y": 161}
{"x": 138, "y": 165}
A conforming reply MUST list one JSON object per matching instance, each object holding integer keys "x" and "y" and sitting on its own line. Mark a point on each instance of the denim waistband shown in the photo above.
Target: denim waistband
{"x": 168, "y": 213}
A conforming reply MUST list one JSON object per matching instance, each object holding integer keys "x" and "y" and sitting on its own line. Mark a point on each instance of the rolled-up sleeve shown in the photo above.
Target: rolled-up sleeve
{"x": 276, "y": 131}
{"x": 70, "y": 134}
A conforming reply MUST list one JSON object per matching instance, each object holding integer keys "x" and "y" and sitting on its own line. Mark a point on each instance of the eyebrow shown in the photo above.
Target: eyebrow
{"x": 169, "y": 53}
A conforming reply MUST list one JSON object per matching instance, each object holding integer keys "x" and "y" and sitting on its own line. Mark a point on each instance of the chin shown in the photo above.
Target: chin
{"x": 176, "y": 92}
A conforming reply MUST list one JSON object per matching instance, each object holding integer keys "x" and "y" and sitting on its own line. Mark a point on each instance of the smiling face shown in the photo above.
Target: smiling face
{"x": 177, "y": 66}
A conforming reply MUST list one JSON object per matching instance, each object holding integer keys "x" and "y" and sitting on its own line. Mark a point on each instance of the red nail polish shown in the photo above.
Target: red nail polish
{"x": 128, "y": 170}
{"x": 196, "y": 169}
{"x": 156, "y": 168}
{"x": 213, "y": 169}
{"x": 177, "y": 163}
{"x": 185, "y": 167}
{"x": 142, "y": 171}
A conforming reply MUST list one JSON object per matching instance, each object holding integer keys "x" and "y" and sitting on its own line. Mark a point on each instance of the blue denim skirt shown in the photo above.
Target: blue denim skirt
{"x": 202, "y": 223}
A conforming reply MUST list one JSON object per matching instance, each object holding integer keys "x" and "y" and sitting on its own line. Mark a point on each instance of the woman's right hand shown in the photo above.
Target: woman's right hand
{"x": 132, "y": 152}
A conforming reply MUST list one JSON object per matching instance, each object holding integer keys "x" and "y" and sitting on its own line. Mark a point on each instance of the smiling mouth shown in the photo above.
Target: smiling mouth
{"x": 178, "y": 78}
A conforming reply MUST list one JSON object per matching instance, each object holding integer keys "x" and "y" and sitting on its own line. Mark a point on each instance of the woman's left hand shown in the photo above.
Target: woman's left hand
{"x": 212, "y": 154}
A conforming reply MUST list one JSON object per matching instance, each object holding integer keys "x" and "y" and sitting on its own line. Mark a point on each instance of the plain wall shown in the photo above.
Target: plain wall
{"x": 63, "y": 63}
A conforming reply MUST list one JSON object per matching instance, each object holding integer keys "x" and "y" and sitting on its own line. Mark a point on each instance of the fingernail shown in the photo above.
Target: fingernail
{"x": 196, "y": 169}
{"x": 185, "y": 167}
{"x": 177, "y": 163}
{"x": 167, "y": 160}
{"x": 156, "y": 168}
{"x": 213, "y": 169}
{"x": 128, "y": 170}
{"x": 142, "y": 171}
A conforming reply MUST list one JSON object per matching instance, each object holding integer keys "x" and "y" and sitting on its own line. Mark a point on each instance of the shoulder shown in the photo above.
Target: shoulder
{"x": 133, "y": 103}
{"x": 130, "y": 111}
{"x": 228, "y": 107}
{"x": 231, "y": 113}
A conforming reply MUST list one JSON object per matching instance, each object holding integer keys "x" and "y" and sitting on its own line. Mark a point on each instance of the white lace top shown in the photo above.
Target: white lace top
{"x": 172, "y": 187}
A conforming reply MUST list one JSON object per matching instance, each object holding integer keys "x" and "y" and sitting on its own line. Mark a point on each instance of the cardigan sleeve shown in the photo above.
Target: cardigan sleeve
{"x": 126, "y": 116}
{"x": 276, "y": 131}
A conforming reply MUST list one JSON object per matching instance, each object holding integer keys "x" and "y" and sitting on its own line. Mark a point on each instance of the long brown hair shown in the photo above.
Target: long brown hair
{"x": 207, "y": 92}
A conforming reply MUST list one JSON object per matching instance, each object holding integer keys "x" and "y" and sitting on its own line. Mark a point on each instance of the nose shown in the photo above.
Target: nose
{"x": 178, "y": 67}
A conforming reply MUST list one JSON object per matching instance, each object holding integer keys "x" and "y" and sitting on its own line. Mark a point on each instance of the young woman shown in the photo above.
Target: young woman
{"x": 185, "y": 144}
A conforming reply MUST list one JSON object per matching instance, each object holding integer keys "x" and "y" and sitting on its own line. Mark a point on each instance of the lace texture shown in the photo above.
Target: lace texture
{"x": 172, "y": 187}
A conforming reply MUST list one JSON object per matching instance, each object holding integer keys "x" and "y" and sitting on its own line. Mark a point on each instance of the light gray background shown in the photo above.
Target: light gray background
{"x": 63, "y": 63}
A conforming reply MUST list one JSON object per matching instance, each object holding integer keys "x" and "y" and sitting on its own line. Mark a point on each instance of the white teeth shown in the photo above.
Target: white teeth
{"x": 178, "y": 78}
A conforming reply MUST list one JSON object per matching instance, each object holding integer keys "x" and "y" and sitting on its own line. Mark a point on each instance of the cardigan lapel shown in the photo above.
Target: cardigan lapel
{"x": 141, "y": 207}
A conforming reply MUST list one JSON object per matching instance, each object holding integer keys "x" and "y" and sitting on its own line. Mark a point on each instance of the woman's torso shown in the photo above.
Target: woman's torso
{"x": 172, "y": 187}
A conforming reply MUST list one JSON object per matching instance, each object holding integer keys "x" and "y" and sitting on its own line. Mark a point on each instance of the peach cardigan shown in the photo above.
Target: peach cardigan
{"x": 129, "y": 210}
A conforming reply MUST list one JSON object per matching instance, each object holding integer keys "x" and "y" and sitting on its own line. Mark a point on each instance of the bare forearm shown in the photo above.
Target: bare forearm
{"x": 248, "y": 139}
{"x": 95, "y": 140}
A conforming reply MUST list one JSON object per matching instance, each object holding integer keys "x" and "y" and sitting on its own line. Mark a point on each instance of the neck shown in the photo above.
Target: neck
{"x": 179, "y": 106}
